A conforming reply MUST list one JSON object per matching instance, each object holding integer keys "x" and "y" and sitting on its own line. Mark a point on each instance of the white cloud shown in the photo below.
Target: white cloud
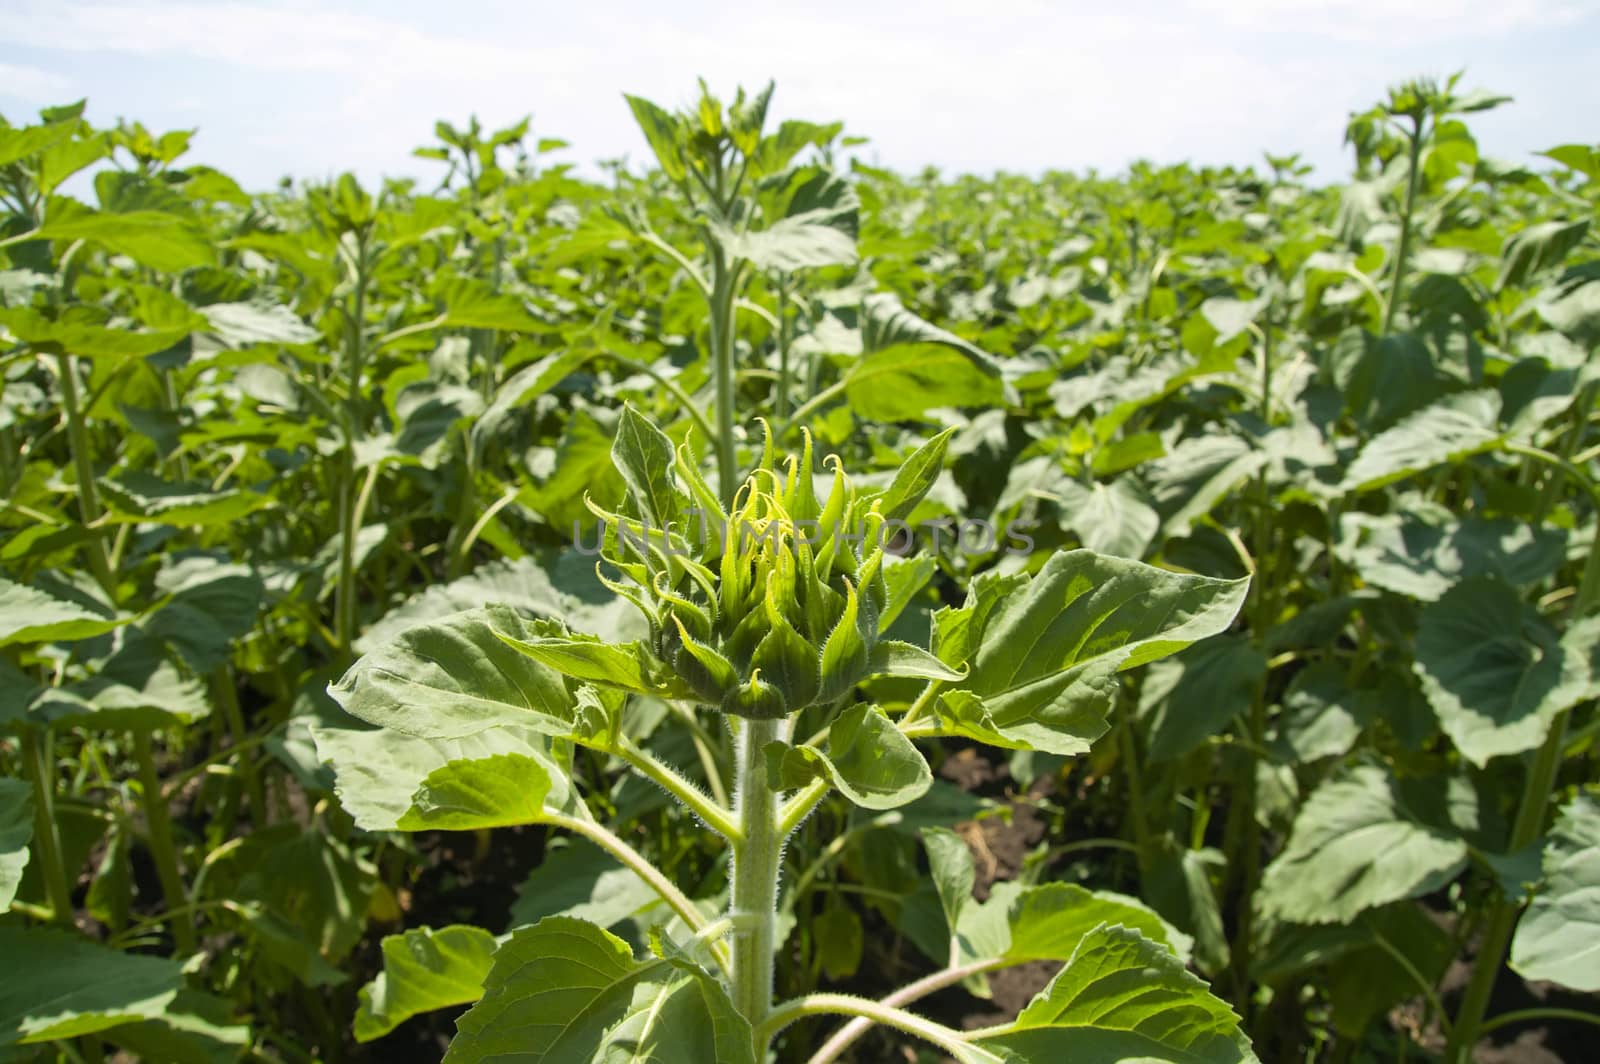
{"x": 1397, "y": 22}
{"x": 32, "y": 85}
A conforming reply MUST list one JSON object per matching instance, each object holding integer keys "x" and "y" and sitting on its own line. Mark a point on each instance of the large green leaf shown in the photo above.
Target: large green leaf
{"x": 1558, "y": 938}
{"x": 568, "y": 992}
{"x": 1365, "y": 839}
{"x": 798, "y": 242}
{"x": 31, "y": 616}
{"x": 818, "y": 227}
{"x": 194, "y": 1029}
{"x": 1424, "y": 550}
{"x": 886, "y": 324}
{"x": 868, "y": 759}
{"x": 153, "y": 238}
{"x": 378, "y": 770}
{"x": 137, "y": 497}
{"x": 424, "y": 969}
{"x": 559, "y": 586}
{"x": 457, "y": 676}
{"x": 1107, "y": 518}
{"x": 16, "y": 828}
{"x": 492, "y": 792}
{"x": 1537, "y": 248}
{"x": 303, "y": 896}
{"x": 75, "y": 986}
{"x": 472, "y": 303}
{"x": 1122, "y": 997}
{"x": 212, "y": 605}
{"x": 1495, "y": 672}
{"x": 524, "y": 386}
{"x": 1047, "y": 923}
{"x": 244, "y": 324}
{"x": 1455, "y": 428}
{"x": 903, "y": 383}
{"x": 20, "y": 143}
{"x": 954, "y": 875}
{"x": 1019, "y": 923}
{"x": 137, "y": 689}
{"x": 1044, "y": 651}
{"x": 1323, "y": 715}
{"x": 83, "y": 335}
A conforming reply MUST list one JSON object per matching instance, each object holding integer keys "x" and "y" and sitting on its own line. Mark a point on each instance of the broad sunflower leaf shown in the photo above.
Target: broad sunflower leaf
{"x": 1365, "y": 839}
{"x": 1495, "y": 672}
{"x": 567, "y": 991}
{"x": 457, "y": 676}
{"x": 1122, "y": 997}
{"x": 16, "y": 829}
{"x": 424, "y": 969}
{"x": 1558, "y": 937}
{"x": 1043, "y": 651}
{"x": 28, "y": 615}
{"x": 1451, "y": 430}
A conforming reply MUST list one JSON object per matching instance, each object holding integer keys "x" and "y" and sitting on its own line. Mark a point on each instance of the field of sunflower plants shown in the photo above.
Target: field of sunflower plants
{"x": 767, "y": 608}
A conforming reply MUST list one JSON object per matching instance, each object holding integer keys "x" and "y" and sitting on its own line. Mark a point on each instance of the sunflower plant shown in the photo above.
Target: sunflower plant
{"x": 768, "y": 617}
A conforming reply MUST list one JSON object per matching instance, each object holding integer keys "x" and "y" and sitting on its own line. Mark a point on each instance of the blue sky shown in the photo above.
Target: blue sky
{"x": 296, "y": 87}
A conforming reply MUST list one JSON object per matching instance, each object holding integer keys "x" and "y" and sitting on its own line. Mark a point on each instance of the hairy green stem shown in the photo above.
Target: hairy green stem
{"x": 1403, "y": 245}
{"x": 39, "y": 765}
{"x": 722, "y": 298}
{"x": 872, "y": 1011}
{"x": 847, "y": 1035}
{"x": 158, "y": 821}
{"x": 636, "y": 863}
{"x": 756, "y": 859}
{"x": 668, "y": 779}
{"x": 783, "y": 348}
{"x": 349, "y": 520}
{"x": 83, "y": 468}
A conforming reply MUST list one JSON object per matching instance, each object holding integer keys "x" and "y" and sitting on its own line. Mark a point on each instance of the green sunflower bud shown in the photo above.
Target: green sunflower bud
{"x": 762, "y": 609}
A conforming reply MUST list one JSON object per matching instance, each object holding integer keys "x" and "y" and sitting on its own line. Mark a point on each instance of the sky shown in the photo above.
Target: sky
{"x": 309, "y": 89}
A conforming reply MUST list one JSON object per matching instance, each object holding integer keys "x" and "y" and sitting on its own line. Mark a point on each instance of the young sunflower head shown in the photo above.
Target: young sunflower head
{"x": 763, "y": 609}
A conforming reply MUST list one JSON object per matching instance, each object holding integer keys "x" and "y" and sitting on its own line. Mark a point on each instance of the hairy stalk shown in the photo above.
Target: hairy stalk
{"x": 1403, "y": 246}
{"x": 349, "y": 520}
{"x": 1261, "y": 624}
{"x": 847, "y": 1035}
{"x": 756, "y": 860}
{"x": 784, "y": 387}
{"x": 722, "y": 296}
{"x": 158, "y": 820}
{"x": 39, "y": 765}
{"x": 873, "y": 1011}
{"x": 636, "y": 863}
{"x": 83, "y": 468}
